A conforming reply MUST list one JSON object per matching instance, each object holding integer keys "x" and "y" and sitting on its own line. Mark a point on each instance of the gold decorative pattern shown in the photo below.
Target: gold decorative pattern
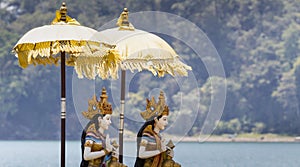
{"x": 88, "y": 144}
{"x": 102, "y": 107}
{"x": 154, "y": 109}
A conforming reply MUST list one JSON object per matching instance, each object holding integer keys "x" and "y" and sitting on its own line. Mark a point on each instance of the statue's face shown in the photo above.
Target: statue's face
{"x": 105, "y": 122}
{"x": 162, "y": 122}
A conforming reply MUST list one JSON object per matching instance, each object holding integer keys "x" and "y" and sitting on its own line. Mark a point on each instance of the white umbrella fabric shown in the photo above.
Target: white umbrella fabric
{"x": 42, "y": 45}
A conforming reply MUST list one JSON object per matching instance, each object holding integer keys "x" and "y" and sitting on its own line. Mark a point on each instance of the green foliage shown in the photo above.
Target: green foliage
{"x": 235, "y": 126}
{"x": 231, "y": 127}
{"x": 10, "y": 84}
{"x": 258, "y": 128}
{"x": 258, "y": 42}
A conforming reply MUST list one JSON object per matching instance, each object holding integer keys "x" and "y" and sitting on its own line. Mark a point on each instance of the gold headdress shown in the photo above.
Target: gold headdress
{"x": 154, "y": 109}
{"x": 98, "y": 107}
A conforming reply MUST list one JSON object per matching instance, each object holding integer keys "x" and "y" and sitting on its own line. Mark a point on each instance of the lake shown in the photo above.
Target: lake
{"x": 208, "y": 154}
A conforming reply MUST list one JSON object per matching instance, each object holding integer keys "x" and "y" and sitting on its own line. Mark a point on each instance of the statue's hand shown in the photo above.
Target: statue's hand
{"x": 170, "y": 152}
{"x": 163, "y": 147}
{"x": 108, "y": 145}
{"x": 115, "y": 153}
{"x": 163, "y": 144}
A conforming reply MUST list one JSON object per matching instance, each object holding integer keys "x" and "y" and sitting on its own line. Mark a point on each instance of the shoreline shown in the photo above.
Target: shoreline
{"x": 229, "y": 139}
{"x": 239, "y": 139}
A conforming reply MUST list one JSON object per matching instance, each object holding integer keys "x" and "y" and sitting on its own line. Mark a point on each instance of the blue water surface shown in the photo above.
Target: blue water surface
{"x": 47, "y": 154}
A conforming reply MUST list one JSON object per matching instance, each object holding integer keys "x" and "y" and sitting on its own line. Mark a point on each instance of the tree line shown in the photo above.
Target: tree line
{"x": 257, "y": 41}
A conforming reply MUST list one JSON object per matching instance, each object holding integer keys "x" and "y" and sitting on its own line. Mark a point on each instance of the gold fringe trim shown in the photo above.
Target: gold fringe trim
{"x": 105, "y": 67}
{"x": 39, "y": 53}
{"x": 157, "y": 67}
{"x": 90, "y": 59}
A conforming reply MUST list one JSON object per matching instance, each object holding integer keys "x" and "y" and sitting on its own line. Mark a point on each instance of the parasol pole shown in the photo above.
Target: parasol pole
{"x": 63, "y": 12}
{"x": 123, "y": 75}
{"x": 63, "y": 108}
{"x": 122, "y": 22}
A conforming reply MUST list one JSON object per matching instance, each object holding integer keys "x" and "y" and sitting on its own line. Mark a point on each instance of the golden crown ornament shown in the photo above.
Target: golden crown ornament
{"x": 98, "y": 107}
{"x": 154, "y": 109}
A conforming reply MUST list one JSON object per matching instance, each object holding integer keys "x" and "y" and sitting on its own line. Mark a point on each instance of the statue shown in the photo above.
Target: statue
{"x": 151, "y": 149}
{"x": 97, "y": 149}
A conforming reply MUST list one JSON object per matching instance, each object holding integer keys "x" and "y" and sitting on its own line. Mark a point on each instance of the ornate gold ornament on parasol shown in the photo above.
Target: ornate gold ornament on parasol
{"x": 42, "y": 45}
{"x": 141, "y": 50}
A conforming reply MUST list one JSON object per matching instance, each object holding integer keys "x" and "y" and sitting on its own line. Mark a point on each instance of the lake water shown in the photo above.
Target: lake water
{"x": 47, "y": 154}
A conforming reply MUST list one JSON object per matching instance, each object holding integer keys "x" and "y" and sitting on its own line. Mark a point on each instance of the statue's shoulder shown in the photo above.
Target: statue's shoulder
{"x": 93, "y": 134}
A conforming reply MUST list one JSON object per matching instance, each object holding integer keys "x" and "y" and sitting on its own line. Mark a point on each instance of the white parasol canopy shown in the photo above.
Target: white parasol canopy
{"x": 141, "y": 50}
{"x": 41, "y": 45}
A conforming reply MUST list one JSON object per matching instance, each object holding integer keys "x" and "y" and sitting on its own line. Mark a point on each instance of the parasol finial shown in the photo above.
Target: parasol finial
{"x": 123, "y": 21}
{"x": 63, "y": 11}
{"x": 62, "y": 17}
{"x": 124, "y": 15}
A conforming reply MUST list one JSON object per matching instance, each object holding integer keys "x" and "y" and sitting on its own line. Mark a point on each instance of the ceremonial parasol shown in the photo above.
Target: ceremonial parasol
{"x": 141, "y": 50}
{"x": 42, "y": 45}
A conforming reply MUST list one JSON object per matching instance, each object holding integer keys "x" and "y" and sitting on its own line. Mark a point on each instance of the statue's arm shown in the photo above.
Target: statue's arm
{"x": 88, "y": 154}
{"x": 146, "y": 154}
